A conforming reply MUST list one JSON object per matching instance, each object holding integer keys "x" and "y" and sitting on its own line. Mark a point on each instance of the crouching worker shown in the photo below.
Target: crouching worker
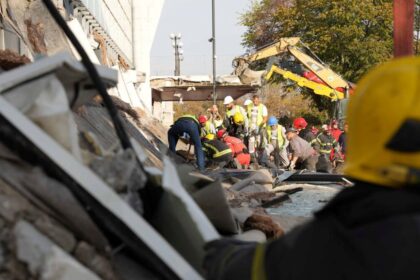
{"x": 302, "y": 155}
{"x": 217, "y": 152}
{"x": 188, "y": 127}
{"x": 240, "y": 153}
{"x": 276, "y": 142}
{"x": 370, "y": 230}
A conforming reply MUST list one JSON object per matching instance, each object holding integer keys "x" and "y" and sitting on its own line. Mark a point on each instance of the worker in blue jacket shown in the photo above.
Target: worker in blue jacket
{"x": 188, "y": 127}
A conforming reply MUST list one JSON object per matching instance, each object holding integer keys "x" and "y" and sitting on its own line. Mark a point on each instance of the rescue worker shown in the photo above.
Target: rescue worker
{"x": 215, "y": 117}
{"x": 370, "y": 230}
{"x": 257, "y": 116}
{"x": 276, "y": 143}
{"x": 240, "y": 153}
{"x": 324, "y": 144}
{"x": 187, "y": 127}
{"x": 217, "y": 152}
{"x": 302, "y": 155}
{"x": 335, "y": 131}
{"x": 342, "y": 140}
{"x": 237, "y": 127}
{"x": 206, "y": 127}
{"x": 304, "y": 131}
{"x": 231, "y": 111}
{"x": 247, "y": 102}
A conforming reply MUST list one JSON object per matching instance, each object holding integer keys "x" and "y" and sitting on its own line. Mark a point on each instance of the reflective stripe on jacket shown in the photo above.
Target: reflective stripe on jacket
{"x": 216, "y": 148}
{"x": 326, "y": 143}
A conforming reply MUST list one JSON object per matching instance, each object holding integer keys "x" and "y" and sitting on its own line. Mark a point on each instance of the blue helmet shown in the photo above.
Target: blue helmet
{"x": 272, "y": 121}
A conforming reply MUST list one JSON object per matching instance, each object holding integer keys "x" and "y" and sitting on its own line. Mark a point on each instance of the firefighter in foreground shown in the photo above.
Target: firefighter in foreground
{"x": 369, "y": 231}
{"x": 188, "y": 128}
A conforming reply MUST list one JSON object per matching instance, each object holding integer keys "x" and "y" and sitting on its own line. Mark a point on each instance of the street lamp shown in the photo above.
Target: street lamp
{"x": 213, "y": 41}
{"x": 177, "y": 45}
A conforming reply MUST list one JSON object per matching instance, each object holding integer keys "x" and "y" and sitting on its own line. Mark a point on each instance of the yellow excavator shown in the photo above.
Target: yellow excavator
{"x": 293, "y": 60}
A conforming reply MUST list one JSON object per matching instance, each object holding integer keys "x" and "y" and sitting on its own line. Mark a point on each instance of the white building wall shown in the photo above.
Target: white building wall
{"x": 115, "y": 17}
{"x": 146, "y": 16}
{"x": 132, "y": 25}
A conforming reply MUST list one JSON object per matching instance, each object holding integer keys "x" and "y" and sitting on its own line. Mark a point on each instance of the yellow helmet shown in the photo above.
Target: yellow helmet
{"x": 238, "y": 118}
{"x": 210, "y": 136}
{"x": 383, "y": 143}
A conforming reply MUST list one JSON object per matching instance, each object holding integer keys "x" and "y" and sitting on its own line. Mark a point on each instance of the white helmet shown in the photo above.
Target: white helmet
{"x": 247, "y": 102}
{"x": 228, "y": 100}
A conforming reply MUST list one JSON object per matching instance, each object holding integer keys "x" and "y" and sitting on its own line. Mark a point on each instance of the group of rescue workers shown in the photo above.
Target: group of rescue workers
{"x": 247, "y": 136}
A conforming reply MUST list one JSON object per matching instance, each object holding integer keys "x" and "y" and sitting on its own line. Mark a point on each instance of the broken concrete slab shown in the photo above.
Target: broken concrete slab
{"x": 88, "y": 256}
{"x": 44, "y": 258}
{"x": 57, "y": 233}
{"x": 60, "y": 266}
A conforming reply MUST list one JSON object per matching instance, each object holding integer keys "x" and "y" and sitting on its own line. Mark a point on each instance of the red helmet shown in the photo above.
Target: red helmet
{"x": 202, "y": 119}
{"x": 300, "y": 123}
{"x": 221, "y": 133}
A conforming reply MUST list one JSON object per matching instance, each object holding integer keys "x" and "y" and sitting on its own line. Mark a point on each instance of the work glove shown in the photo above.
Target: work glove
{"x": 291, "y": 166}
{"x": 220, "y": 252}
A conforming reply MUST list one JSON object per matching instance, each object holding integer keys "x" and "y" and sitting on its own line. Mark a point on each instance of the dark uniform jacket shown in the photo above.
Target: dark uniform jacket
{"x": 365, "y": 232}
{"x": 216, "y": 148}
{"x": 306, "y": 134}
{"x": 324, "y": 143}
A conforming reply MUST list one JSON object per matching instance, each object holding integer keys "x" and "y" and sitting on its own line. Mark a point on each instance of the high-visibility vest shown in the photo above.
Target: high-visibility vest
{"x": 232, "y": 112}
{"x": 260, "y": 117}
{"x": 280, "y": 139}
{"x": 206, "y": 129}
{"x": 189, "y": 117}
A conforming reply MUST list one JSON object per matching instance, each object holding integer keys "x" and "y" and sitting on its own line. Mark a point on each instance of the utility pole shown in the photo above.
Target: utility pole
{"x": 213, "y": 41}
{"x": 178, "y": 51}
{"x": 403, "y": 27}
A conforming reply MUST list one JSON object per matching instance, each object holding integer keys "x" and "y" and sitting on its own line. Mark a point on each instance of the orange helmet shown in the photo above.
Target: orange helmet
{"x": 299, "y": 123}
{"x": 202, "y": 119}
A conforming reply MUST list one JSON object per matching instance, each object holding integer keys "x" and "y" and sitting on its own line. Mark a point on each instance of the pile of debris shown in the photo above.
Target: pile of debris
{"x": 75, "y": 204}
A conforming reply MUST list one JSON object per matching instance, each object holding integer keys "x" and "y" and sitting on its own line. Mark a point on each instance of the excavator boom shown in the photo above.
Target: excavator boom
{"x": 324, "y": 82}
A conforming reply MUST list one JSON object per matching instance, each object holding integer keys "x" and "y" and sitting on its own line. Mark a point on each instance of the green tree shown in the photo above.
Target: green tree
{"x": 350, "y": 35}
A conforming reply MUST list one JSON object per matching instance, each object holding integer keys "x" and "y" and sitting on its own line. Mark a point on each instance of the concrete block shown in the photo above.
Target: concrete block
{"x": 44, "y": 258}
{"x": 88, "y": 256}
{"x": 61, "y": 266}
{"x": 57, "y": 233}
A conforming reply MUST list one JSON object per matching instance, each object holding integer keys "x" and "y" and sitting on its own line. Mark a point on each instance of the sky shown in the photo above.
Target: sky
{"x": 192, "y": 18}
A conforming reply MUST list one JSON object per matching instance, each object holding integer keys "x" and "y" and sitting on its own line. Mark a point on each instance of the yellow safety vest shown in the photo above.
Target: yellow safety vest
{"x": 232, "y": 112}
{"x": 206, "y": 129}
{"x": 192, "y": 117}
{"x": 280, "y": 139}
{"x": 260, "y": 117}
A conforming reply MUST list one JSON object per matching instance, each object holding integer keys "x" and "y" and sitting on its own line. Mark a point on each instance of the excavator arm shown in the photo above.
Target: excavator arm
{"x": 325, "y": 82}
{"x": 318, "y": 88}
